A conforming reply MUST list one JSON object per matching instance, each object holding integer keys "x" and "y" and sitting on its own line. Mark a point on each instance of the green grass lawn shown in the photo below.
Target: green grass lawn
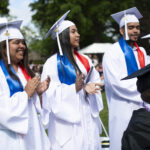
{"x": 104, "y": 113}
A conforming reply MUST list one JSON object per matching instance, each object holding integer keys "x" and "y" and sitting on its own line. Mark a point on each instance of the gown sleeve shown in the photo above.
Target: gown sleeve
{"x": 95, "y": 100}
{"x": 36, "y": 101}
{"x": 14, "y": 109}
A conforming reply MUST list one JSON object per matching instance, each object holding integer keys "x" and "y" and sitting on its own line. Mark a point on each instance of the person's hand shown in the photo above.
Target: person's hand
{"x": 43, "y": 86}
{"x": 32, "y": 85}
{"x": 79, "y": 82}
{"x": 93, "y": 88}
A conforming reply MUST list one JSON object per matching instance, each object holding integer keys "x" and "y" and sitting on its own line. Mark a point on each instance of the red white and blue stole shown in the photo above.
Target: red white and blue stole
{"x": 66, "y": 70}
{"x": 130, "y": 59}
{"x": 26, "y": 75}
{"x": 14, "y": 85}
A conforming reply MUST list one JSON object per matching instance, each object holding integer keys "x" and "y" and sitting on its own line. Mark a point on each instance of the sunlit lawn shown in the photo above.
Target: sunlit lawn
{"x": 104, "y": 113}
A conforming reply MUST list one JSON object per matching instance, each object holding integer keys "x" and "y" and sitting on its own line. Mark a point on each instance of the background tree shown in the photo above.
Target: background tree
{"x": 3, "y": 7}
{"x": 143, "y": 6}
{"x": 92, "y": 18}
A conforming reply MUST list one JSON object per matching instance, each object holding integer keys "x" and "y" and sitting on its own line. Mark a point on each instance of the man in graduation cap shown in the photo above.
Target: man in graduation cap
{"x": 122, "y": 59}
{"x": 137, "y": 134}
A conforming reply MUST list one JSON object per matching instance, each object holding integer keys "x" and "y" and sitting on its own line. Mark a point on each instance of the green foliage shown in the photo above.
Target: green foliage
{"x": 104, "y": 113}
{"x": 92, "y": 17}
{"x": 42, "y": 46}
{"x": 29, "y": 35}
{"x": 3, "y": 7}
{"x": 143, "y": 6}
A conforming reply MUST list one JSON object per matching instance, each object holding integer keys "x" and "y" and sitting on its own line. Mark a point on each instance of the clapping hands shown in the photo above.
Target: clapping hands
{"x": 34, "y": 84}
{"x": 43, "y": 86}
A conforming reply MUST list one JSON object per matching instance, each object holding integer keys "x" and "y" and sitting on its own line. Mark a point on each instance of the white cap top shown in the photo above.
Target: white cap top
{"x": 63, "y": 25}
{"x": 10, "y": 30}
{"x": 58, "y": 27}
{"x": 130, "y": 15}
{"x": 129, "y": 18}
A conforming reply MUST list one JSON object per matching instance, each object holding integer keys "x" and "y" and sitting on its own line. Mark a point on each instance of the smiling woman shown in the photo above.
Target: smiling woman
{"x": 17, "y": 51}
{"x": 20, "y": 126}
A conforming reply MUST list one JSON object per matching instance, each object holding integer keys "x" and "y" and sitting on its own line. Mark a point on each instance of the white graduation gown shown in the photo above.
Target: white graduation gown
{"x": 122, "y": 95}
{"x": 73, "y": 122}
{"x": 20, "y": 126}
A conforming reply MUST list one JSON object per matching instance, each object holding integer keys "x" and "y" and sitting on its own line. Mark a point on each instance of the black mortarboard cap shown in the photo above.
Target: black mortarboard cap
{"x": 143, "y": 76}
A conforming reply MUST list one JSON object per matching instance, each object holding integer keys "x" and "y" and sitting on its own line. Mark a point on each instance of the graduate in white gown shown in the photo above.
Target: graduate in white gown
{"x": 119, "y": 61}
{"x": 71, "y": 106}
{"x": 20, "y": 126}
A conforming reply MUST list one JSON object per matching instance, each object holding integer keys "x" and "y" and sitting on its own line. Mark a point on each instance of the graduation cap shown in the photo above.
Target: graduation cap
{"x": 58, "y": 27}
{"x": 127, "y": 16}
{"x": 9, "y": 30}
{"x": 143, "y": 76}
{"x": 146, "y": 36}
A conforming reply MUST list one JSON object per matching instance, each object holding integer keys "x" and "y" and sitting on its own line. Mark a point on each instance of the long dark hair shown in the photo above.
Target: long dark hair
{"x": 66, "y": 48}
{"x": 24, "y": 62}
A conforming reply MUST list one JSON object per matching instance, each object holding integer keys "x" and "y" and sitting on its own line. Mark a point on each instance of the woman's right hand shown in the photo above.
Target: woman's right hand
{"x": 32, "y": 85}
{"x": 43, "y": 86}
{"x": 79, "y": 82}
